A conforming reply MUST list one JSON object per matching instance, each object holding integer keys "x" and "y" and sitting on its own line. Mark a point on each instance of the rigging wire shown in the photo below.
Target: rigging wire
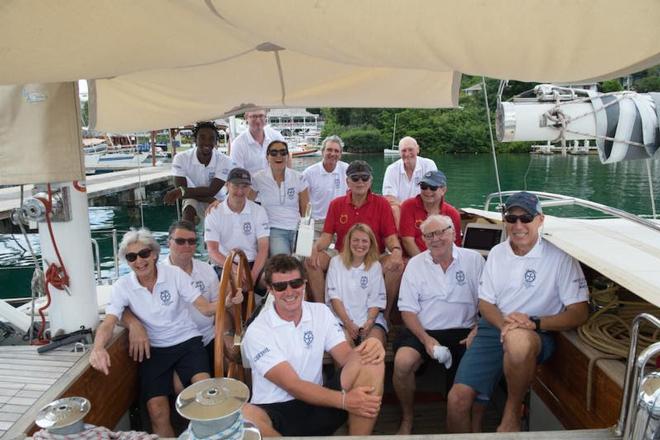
{"x": 648, "y": 172}
{"x": 492, "y": 140}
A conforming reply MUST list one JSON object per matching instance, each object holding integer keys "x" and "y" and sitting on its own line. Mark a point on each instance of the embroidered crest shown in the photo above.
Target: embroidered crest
{"x": 343, "y": 219}
{"x": 291, "y": 192}
{"x": 308, "y": 338}
{"x": 166, "y": 297}
{"x": 364, "y": 281}
{"x": 247, "y": 228}
{"x": 530, "y": 277}
{"x": 199, "y": 285}
{"x": 211, "y": 175}
{"x": 418, "y": 222}
{"x": 460, "y": 278}
{"x": 337, "y": 182}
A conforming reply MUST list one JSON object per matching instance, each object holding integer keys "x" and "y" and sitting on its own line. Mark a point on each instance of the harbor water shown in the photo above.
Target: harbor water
{"x": 470, "y": 178}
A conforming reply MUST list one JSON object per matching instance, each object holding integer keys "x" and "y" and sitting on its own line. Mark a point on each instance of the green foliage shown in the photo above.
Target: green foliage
{"x": 612, "y": 85}
{"x": 363, "y": 140}
{"x": 648, "y": 84}
{"x": 84, "y": 113}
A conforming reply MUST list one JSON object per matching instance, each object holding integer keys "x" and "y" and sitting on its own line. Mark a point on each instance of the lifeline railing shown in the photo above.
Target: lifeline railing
{"x": 561, "y": 200}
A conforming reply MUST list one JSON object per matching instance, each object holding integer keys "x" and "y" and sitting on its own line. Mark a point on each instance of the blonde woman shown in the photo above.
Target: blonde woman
{"x": 355, "y": 287}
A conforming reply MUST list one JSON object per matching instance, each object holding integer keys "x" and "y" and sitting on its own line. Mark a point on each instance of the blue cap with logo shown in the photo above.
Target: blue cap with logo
{"x": 239, "y": 175}
{"x": 358, "y": 167}
{"x": 524, "y": 200}
{"x": 434, "y": 178}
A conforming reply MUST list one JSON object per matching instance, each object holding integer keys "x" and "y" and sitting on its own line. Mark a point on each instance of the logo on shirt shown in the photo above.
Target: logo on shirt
{"x": 530, "y": 277}
{"x": 211, "y": 175}
{"x": 166, "y": 297}
{"x": 291, "y": 192}
{"x": 343, "y": 219}
{"x": 199, "y": 285}
{"x": 364, "y": 281}
{"x": 260, "y": 354}
{"x": 247, "y": 228}
{"x": 418, "y": 222}
{"x": 460, "y": 278}
{"x": 337, "y": 182}
{"x": 308, "y": 338}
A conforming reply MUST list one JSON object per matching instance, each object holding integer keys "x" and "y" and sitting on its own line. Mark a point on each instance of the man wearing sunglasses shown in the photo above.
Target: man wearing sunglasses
{"x": 199, "y": 173}
{"x": 359, "y": 205}
{"x": 430, "y": 201}
{"x": 438, "y": 303}
{"x": 285, "y": 345}
{"x": 401, "y": 180}
{"x": 248, "y": 150}
{"x": 529, "y": 289}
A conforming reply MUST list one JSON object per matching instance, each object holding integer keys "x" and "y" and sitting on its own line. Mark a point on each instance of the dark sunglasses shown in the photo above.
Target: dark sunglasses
{"x": 144, "y": 253}
{"x": 524, "y": 218}
{"x": 295, "y": 283}
{"x": 275, "y": 153}
{"x": 182, "y": 241}
{"x": 362, "y": 177}
{"x": 425, "y": 186}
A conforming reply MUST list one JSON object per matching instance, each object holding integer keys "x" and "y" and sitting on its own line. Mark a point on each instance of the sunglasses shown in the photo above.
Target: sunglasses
{"x": 439, "y": 233}
{"x": 275, "y": 153}
{"x": 362, "y": 177}
{"x": 182, "y": 241}
{"x": 295, "y": 283}
{"x": 524, "y": 218}
{"x": 144, "y": 254}
{"x": 425, "y": 186}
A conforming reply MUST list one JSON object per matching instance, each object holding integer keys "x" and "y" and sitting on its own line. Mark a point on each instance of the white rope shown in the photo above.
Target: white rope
{"x": 651, "y": 192}
{"x": 492, "y": 141}
{"x": 233, "y": 432}
{"x": 95, "y": 432}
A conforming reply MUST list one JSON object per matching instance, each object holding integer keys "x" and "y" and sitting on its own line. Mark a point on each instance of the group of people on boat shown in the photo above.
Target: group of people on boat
{"x": 373, "y": 257}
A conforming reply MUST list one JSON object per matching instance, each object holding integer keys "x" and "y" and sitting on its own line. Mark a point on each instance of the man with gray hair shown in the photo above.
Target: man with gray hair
{"x": 438, "y": 304}
{"x": 326, "y": 179}
{"x": 401, "y": 180}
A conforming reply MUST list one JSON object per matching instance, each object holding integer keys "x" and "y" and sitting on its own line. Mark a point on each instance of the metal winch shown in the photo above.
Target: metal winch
{"x": 213, "y": 407}
{"x": 64, "y": 416}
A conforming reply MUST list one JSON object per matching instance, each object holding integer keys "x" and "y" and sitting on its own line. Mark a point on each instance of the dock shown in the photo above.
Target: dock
{"x": 98, "y": 185}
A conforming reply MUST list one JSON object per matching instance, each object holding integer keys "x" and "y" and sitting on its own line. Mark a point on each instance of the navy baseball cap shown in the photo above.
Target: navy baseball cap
{"x": 524, "y": 200}
{"x": 358, "y": 167}
{"x": 239, "y": 175}
{"x": 434, "y": 178}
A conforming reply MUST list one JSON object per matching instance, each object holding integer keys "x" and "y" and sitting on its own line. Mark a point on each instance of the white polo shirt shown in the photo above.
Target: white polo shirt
{"x": 270, "y": 340}
{"x": 186, "y": 164}
{"x": 396, "y": 182}
{"x": 280, "y": 201}
{"x": 250, "y": 154}
{"x": 442, "y": 300}
{"x": 325, "y": 186}
{"x": 237, "y": 230}
{"x": 540, "y": 283}
{"x": 204, "y": 279}
{"x": 357, "y": 288}
{"x": 163, "y": 313}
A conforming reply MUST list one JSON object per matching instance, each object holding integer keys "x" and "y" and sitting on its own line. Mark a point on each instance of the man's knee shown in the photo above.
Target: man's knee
{"x": 521, "y": 345}
{"x": 406, "y": 361}
{"x": 257, "y": 416}
{"x": 460, "y": 399}
{"x": 159, "y": 409}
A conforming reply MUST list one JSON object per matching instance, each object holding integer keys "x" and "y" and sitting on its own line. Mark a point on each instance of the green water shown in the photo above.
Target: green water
{"x": 470, "y": 179}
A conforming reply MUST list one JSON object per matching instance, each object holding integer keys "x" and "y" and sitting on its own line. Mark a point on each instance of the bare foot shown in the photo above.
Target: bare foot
{"x": 405, "y": 428}
{"x": 509, "y": 425}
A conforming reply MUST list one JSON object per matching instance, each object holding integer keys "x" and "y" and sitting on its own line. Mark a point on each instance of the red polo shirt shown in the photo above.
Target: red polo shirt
{"x": 413, "y": 214}
{"x": 375, "y": 212}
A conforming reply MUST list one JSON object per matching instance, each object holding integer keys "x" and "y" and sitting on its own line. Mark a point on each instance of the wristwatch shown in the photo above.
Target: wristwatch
{"x": 537, "y": 322}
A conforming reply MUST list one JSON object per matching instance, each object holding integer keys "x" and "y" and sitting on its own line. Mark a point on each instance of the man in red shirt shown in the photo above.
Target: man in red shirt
{"x": 359, "y": 205}
{"x": 414, "y": 211}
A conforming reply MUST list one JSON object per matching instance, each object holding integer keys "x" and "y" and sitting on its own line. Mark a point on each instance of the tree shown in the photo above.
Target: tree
{"x": 612, "y": 85}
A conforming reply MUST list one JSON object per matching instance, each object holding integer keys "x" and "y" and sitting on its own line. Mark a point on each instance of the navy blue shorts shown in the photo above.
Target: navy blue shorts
{"x": 186, "y": 358}
{"x": 481, "y": 366}
{"x": 298, "y": 418}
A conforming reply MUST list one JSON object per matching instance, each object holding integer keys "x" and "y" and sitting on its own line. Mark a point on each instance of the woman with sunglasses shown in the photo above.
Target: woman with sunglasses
{"x": 355, "y": 287}
{"x": 283, "y": 192}
{"x": 158, "y": 295}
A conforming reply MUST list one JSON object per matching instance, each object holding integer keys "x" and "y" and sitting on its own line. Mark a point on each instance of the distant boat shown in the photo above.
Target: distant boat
{"x": 394, "y": 151}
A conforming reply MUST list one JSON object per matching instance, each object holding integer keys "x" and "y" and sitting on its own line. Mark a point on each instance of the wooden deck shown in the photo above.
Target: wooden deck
{"x": 29, "y": 381}
{"x": 97, "y": 185}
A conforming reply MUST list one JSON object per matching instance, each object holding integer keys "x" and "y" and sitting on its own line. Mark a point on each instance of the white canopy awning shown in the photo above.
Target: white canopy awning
{"x": 163, "y": 63}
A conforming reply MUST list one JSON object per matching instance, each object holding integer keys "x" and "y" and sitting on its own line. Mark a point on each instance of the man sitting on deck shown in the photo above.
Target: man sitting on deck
{"x": 285, "y": 345}
{"x": 401, "y": 180}
{"x": 414, "y": 211}
{"x": 438, "y": 303}
{"x": 359, "y": 205}
{"x": 199, "y": 173}
{"x": 529, "y": 289}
